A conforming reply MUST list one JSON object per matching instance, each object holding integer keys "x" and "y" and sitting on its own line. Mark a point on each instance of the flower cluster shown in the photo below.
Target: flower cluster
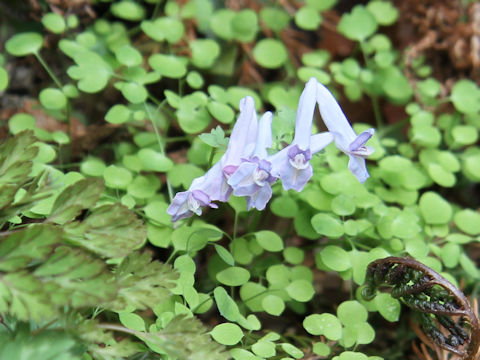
{"x": 246, "y": 168}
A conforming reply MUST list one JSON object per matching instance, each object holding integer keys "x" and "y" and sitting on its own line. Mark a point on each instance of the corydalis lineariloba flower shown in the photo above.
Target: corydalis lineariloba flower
{"x": 213, "y": 185}
{"x": 253, "y": 177}
{"x": 247, "y": 170}
{"x": 344, "y": 136}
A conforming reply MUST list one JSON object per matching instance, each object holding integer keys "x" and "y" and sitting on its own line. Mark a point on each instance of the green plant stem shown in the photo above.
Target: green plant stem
{"x": 391, "y": 128}
{"x": 48, "y": 70}
{"x": 115, "y": 327}
{"x": 235, "y": 224}
{"x": 160, "y": 145}
{"x": 44, "y": 327}
{"x": 375, "y": 104}
{"x": 377, "y": 112}
{"x": 6, "y": 325}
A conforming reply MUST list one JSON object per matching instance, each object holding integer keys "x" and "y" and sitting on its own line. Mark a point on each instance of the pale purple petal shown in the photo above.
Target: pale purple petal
{"x": 305, "y": 111}
{"x": 264, "y": 136}
{"x": 244, "y": 134}
{"x": 296, "y": 179}
{"x": 260, "y": 199}
{"x": 178, "y": 209}
{"x": 292, "y": 166}
{"x": 213, "y": 183}
{"x": 320, "y": 141}
{"x": 335, "y": 119}
{"x": 242, "y": 180}
{"x": 361, "y": 140}
{"x": 358, "y": 168}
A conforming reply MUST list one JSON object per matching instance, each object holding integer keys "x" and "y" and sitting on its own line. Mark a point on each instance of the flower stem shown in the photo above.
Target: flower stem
{"x": 160, "y": 145}
{"x": 48, "y": 70}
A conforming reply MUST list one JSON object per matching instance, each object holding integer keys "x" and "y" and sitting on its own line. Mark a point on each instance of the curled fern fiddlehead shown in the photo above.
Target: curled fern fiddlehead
{"x": 444, "y": 313}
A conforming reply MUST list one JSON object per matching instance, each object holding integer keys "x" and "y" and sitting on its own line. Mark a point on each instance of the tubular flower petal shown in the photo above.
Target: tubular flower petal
{"x": 344, "y": 136}
{"x": 253, "y": 177}
{"x": 213, "y": 185}
{"x": 292, "y": 164}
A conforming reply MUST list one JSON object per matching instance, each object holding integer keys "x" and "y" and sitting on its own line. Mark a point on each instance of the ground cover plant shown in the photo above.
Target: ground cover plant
{"x": 178, "y": 179}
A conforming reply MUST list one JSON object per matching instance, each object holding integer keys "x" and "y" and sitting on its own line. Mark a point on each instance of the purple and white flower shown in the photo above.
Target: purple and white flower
{"x": 213, "y": 185}
{"x": 246, "y": 168}
{"x": 292, "y": 164}
{"x": 253, "y": 177}
{"x": 344, "y": 136}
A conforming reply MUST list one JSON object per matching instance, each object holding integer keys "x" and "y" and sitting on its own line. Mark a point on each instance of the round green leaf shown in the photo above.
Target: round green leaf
{"x": 317, "y": 58}
{"x": 24, "y": 44}
{"x": 385, "y": 12}
{"x": 265, "y": 349}
{"x": 308, "y": 18}
{"x": 164, "y": 28}
{"x": 465, "y": 134}
{"x": 323, "y": 324}
{"x": 270, "y": 53}
{"x": 127, "y": 55}
{"x": 305, "y": 73}
{"x": 227, "y": 334}
{"x": 3, "y": 79}
{"x": 396, "y": 85}
{"x": 365, "y": 333}
{"x": 275, "y": 18}
{"x": 92, "y": 166}
{"x": 19, "y": 122}
{"x": 134, "y": 92}
{"x": 221, "y": 112}
{"x": 233, "y": 276}
{"x": 195, "y": 80}
{"x": 343, "y": 205}
{"x": 118, "y": 114}
{"x": 277, "y": 274}
{"x": 388, "y": 307}
{"x": 293, "y": 255}
{"x": 468, "y": 221}
{"x": 224, "y": 254}
{"x": 128, "y": 10}
{"x": 244, "y": 25}
{"x": 60, "y": 137}
{"x": 154, "y": 161}
{"x": 204, "y": 52}
{"x": 168, "y": 65}
{"x": 46, "y": 153}
{"x": 143, "y": 188}
{"x": 117, "y": 177}
{"x": 450, "y": 254}
{"x": 220, "y": 23}
{"x": 132, "y": 321}
{"x": 440, "y": 175}
{"x": 301, "y": 290}
{"x": 269, "y": 240}
{"x": 183, "y": 174}
{"x": 321, "y": 349}
{"x": 292, "y": 350}
{"x": 284, "y": 206}
{"x": 226, "y": 305}
{"x": 335, "y": 258}
{"x": 273, "y": 305}
{"x": 358, "y": 24}
{"x": 52, "y": 99}
{"x": 327, "y": 225}
{"x": 54, "y": 22}
{"x": 466, "y": 97}
{"x": 352, "y": 313}
{"x": 434, "y": 209}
